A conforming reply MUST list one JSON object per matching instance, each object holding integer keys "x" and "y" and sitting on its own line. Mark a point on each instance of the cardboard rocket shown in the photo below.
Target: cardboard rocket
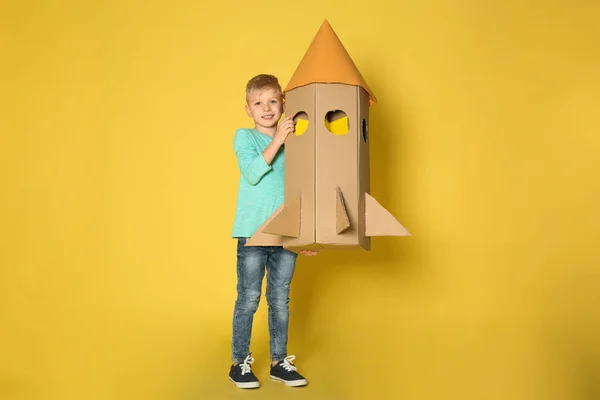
{"x": 327, "y": 201}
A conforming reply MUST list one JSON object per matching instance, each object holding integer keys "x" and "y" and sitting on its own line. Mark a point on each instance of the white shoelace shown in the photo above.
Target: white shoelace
{"x": 246, "y": 365}
{"x": 287, "y": 363}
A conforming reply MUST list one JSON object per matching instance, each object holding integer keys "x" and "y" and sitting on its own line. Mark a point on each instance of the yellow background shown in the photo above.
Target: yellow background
{"x": 118, "y": 186}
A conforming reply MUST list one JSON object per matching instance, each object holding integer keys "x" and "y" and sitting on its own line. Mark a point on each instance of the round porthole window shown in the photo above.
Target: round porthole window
{"x": 301, "y": 120}
{"x": 337, "y": 123}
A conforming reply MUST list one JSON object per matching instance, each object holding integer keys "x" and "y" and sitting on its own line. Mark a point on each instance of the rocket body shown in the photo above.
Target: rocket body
{"x": 327, "y": 173}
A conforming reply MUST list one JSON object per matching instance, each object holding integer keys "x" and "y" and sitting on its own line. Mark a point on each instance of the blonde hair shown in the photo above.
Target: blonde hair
{"x": 261, "y": 82}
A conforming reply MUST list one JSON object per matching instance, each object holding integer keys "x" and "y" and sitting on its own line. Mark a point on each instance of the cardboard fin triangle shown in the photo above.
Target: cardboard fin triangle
{"x": 286, "y": 222}
{"x": 379, "y": 221}
{"x": 342, "y": 220}
{"x": 264, "y": 239}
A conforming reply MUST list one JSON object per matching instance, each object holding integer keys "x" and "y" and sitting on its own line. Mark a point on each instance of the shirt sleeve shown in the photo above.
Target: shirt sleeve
{"x": 252, "y": 164}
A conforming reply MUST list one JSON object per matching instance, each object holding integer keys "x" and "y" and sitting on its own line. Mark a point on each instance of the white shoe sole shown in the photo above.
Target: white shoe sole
{"x": 301, "y": 382}
{"x": 245, "y": 385}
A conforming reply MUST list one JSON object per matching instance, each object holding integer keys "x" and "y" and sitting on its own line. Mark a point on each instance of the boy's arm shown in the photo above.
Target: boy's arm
{"x": 283, "y": 130}
{"x": 271, "y": 151}
{"x": 253, "y": 165}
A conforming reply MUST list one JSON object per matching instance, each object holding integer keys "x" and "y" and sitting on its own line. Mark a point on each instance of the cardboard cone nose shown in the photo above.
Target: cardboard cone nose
{"x": 327, "y": 61}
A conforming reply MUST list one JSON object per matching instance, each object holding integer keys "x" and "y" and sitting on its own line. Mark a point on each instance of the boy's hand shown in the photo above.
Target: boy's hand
{"x": 309, "y": 252}
{"x": 284, "y": 129}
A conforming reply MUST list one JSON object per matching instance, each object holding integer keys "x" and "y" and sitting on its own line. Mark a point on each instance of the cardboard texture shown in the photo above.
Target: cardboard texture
{"x": 327, "y": 169}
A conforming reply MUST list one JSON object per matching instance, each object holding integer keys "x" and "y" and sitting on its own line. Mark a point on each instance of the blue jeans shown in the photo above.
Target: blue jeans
{"x": 251, "y": 263}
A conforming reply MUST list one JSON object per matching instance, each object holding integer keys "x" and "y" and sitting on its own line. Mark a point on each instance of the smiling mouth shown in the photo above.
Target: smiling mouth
{"x": 268, "y": 116}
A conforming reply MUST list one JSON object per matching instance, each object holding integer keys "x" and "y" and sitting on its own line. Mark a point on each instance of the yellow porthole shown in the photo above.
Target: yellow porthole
{"x": 301, "y": 120}
{"x": 336, "y": 122}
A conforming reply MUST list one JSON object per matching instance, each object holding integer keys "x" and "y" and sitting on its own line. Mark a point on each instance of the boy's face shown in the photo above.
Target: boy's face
{"x": 265, "y": 107}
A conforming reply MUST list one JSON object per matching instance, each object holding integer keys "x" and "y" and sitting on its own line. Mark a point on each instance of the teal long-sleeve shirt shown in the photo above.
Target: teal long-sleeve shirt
{"x": 260, "y": 190}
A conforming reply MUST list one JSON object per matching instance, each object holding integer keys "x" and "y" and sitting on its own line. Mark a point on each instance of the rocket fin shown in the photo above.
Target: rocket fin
{"x": 287, "y": 222}
{"x": 264, "y": 239}
{"x": 341, "y": 219}
{"x": 379, "y": 221}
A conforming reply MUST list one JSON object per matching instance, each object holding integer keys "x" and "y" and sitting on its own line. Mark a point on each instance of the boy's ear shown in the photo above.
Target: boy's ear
{"x": 247, "y": 110}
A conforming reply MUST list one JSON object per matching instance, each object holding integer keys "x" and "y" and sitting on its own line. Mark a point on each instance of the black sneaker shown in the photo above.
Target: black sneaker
{"x": 242, "y": 375}
{"x": 285, "y": 371}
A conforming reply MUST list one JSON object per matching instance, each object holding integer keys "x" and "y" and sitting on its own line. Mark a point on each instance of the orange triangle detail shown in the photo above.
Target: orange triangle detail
{"x": 327, "y": 61}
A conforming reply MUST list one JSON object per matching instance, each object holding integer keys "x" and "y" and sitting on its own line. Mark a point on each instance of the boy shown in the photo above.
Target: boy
{"x": 260, "y": 156}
